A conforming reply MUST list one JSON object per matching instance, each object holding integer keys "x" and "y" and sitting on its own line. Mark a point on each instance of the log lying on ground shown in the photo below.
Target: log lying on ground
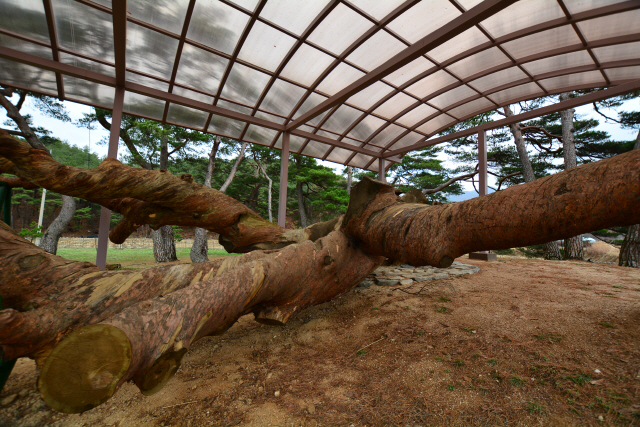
{"x": 154, "y": 197}
{"x": 48, "y": 296}
{"x": 590, "y": 197}
{"x": 136, "y": 325}
{"x": 145, "y": 342}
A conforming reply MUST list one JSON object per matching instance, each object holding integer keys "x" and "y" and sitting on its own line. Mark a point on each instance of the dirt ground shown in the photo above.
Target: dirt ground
{"x": 523, "y": 342}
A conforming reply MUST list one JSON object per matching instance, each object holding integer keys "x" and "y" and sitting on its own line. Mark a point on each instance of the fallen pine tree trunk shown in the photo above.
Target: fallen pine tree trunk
{"x": 91, "y": 330}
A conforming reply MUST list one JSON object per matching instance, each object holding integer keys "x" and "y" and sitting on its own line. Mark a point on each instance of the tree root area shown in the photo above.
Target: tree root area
{"x": 523, "y": 342}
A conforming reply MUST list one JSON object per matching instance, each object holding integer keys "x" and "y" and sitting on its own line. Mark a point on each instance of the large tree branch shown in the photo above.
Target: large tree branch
{"x": 449, "y": 182}
{"x": 585, "y": 198}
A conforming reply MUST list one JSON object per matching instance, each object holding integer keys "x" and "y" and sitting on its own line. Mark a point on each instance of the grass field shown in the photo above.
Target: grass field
{"x": 126, "y": 256}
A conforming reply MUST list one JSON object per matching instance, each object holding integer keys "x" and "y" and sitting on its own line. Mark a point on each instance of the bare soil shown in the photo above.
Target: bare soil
{"x": 524, "y": 342}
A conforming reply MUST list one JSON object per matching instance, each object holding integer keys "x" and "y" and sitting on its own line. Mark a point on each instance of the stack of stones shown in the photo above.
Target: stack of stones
{"x": 407, "y": 274}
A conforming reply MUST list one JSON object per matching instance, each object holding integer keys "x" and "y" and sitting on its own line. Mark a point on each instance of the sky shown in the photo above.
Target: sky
{"x": 83, "y": 137}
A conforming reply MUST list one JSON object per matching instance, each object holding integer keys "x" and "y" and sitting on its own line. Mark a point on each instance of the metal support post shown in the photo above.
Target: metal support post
{"x": 483, "y": 190}
{"x": 105, "y": 214}
{"x": 381, "y": 173}
{"x": 482, "y": 160}
{"x": 284, "y": 177}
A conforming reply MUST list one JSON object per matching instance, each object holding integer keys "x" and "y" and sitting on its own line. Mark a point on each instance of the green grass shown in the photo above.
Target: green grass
{"x": 445, "y": 299}
{"x": 503, "y": 251}
{"x": 121, "y": 256}
{"x": 442, "y": 309}
{"x": 516, "y": 381}
{"x": 607, "y": 325}
{"x": 492, "y": 362}
{"x": 535, "y": 408}
{"x": 549, "y": 336}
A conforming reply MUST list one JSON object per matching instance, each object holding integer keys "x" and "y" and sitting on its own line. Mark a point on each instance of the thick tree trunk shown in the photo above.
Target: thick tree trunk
{"x": 90, "y": 330}
{"x": 164, "y": 245}
{"x": 573, "y": 247}
{"x": 550, "y": 249}
{"x": 630, "y": 250}
{"x": 50, "y": 238}
{"x": 200, "y": 246}
{"x": 301, "y": 209}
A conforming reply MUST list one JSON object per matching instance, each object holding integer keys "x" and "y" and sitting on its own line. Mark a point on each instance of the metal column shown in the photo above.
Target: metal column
{"x": 482, "y": 160}
{"x": 381, "y": 173}
{"x": 105, "y": 214}
{"x": 284, "y": 177}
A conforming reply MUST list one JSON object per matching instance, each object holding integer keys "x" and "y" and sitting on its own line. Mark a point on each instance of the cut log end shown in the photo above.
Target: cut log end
{"x": 161, "y": 372}
{"x": 274, "y": 316}
{"x": 84, "y": 370}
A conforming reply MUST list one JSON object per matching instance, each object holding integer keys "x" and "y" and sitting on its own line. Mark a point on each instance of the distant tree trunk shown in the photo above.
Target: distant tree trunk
{"x": 630, "y": 250}
{"x": 200, "y": 246}
{"x": 49, "y": 241}
{"x": 573, "y": 248}
{"x": 349, "y": 178}
{"x": 550, "y": 249}
{"x": 234, "y": 168}
{"x": 303, "y": 214}
{"x": 164, "y": 245}
{"x": 252, "y": 200}
{"x": 264, "y": 172}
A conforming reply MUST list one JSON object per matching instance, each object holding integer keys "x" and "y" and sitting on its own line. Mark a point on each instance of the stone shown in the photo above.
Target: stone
{"x": 483, "y": 256}
{"x": 311, "y": 408}
{"x": 439, "y": 276}
{"x": 424, "y": 278}
{"x": 277, "y": 393}
{"x": 23, "y": 392}
{"x": 387, "y": 282}
{"x": 406, "y": 282}
{"x": 459, "y": 273}
{"x": 365, "y": 283}
{"x": 407, "y": 266}
{"x": 9, "y": 399}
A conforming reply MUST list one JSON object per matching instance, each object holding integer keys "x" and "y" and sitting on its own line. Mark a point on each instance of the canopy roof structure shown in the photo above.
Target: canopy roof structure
{"x": 348, "y": 81}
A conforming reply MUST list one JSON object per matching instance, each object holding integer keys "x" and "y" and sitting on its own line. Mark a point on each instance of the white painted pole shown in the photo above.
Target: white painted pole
{"x": 40, "y": 217}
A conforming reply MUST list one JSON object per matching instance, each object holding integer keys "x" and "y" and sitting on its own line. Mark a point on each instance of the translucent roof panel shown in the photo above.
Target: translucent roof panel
{"x": 269, "y": 66}
{"x": 288, "y": 13}
{"x": 618, "y": 52}
{"x": 166, "y": 14}
{"x": 25, "y": 17}
{"x": 200, "y": 69}
{"x": 376, "y": 50}
{"x": 28, "y": 77}
{"x": 559, "y": 62}
{"x": 216, "y": 25}
{"x": 89, "y": 92}
{"x": 620, "y": 24}
{"x": 412, "y": 24}
{"x": 522, "y": 92}
{"x": 368, "y": 97}
{"x": 542, "y": 42}
{"x": 282, "y": 97}
{"x": 149, "y": 51}
{"x": 338, "y": 30}
{"x": 479, "y": 62}
{"x": 522, "y": 14}
{"x": 244, "y": 84}
{"x": 185, "y": 116}
{"x": 24, "y": 46}
{"x": 306, "y": 65}
{"x": 224, "y": 126}
{"x": 84, "y": 29}
{"x": 265, "y": 46}
{"x": 591, "y": 78}
{"x": 624, "y": 73}
{"x": 145, "y": 106}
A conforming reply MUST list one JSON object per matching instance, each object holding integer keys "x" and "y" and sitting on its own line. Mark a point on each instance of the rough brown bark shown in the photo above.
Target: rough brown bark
{"x": 50, "y": 238}
{"x": 550, "y": 208}
{"x": 91, "y": 330}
